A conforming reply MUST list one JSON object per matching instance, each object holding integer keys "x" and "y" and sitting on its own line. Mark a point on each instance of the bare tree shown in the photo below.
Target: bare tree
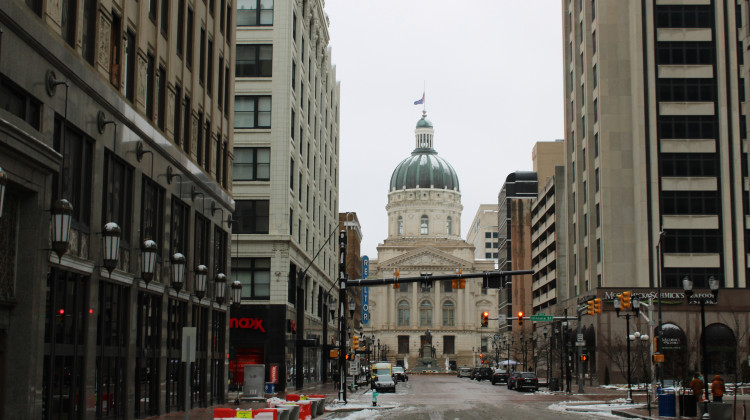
{"x": 615, "y": 349}
{"x": 738, "y": 323}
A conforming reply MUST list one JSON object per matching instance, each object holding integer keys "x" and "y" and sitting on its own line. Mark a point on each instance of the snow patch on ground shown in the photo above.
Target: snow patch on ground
{"x": 599, "y": 408}
{"x": 362, "y": 415}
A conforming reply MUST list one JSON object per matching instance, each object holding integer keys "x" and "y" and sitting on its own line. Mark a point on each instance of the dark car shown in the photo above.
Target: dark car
{"x": 511, "y": 381}
{"x": 499, "y": 376}
{"x": 527, "y": 380}
{"x": 474, "y": 372}
{"x": 399, "y": 374}
{"x": 384, "y": 383}
{"x": 483, "y": 373}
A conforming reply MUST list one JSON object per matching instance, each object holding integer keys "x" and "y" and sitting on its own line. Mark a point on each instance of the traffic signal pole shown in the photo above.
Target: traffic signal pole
{"x": 342, "y": 315}
{"x": 580, "y": 353}
{"x": 487, "y": 275}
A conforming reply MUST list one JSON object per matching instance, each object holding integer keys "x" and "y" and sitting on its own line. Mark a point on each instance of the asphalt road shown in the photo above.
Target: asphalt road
{"x": 447, "y": 397}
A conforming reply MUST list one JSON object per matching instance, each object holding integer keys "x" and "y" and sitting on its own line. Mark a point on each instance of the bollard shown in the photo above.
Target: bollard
{"x": 374, "y": 398}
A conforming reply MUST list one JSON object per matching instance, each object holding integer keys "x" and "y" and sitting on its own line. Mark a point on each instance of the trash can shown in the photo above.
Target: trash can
{"x": 554, "y": 384}
{"x": 720, "y": 411}
{"x": 688, "y": 404}
{"x": 269, "y": 388}
{"x": 667, "y": 406}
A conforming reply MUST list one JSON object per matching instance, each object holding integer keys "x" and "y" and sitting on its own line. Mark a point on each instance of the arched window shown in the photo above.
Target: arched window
{"x": 449, "y": 225}
{"x": 403, "y": 313}
{"x": 400, "y": 225}
{"x": 424, "y": 225}
{"x": 425, "y": 313}
{"x": 448, "y": 314}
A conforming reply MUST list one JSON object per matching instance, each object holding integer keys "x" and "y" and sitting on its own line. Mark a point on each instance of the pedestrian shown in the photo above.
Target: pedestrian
{"x": 717, "y": 388}
{"x": 698, "y": 387}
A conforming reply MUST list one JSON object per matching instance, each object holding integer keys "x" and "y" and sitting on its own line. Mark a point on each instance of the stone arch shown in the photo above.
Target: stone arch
{"x": 425, "y": 313}
{"x": 403, "y": 312}
{"x": 674, "y": 347}
{"x": 721, "y": 350}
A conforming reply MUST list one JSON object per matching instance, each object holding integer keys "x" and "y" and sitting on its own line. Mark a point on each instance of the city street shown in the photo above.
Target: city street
{"x": 449, "y": 397}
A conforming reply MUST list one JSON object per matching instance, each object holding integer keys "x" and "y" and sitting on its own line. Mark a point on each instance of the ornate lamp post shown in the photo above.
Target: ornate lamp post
{"x": 62, "y": 213}
{"x": 635, "y": 306}
{"x": 220, "y": 283}
{"x": 148, "y": 260}
{"x": 236, "y": 293}
{"x": 201, "y": 275}
{"x": 549, "y": 353}
{"x": 713, "y": 284}
{"x": 178, "y": 271}
{"x": 111, "y": 235}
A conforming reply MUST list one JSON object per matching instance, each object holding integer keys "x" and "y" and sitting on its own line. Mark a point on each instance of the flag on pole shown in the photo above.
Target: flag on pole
{"x": 420, "y": 101}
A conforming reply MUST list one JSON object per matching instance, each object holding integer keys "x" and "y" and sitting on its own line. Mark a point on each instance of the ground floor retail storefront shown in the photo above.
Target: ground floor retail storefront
{"x": 269, "y": 335}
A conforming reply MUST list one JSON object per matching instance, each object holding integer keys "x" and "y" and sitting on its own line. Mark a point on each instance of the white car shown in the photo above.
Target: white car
{"x": 384, "y": 383}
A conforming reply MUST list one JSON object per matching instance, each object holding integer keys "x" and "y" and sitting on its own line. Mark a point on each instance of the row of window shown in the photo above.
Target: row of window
{"x": 424, "y": 225}
{"x": 425, "y": 313}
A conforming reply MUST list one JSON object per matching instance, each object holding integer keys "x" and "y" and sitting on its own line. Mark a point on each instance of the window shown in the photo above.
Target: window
{"x": 596, "y": 144}
{"x": 115, "y": 51}
{"x": 448, "y": 225}
{"x": 77, "y": 162}
{"x": 251, "y": 216}
{"x": 693, "y": 241}
{"x": 595, "y": 76}
{"x": 210, "y": 72}
{"x": 252, "y": 163}
{"x": 687, "y": 126}
{"x": 152, "y": 6}
{"x": 685, "y": 52}
{"x": 684, "y": 16}
{"x": 19, "y": 103}
{"x": 164, "y": 18}
{"x": 598, "y": 250}
{"x": 130, "y": 57}
{"x": 180, "y": 27}
{"x": 488, "y": 244}
{"x": 203, "y": 59}
{"x": 254, "y": 12}
{"x": 291, "y": 174}
{"x": 186, "y": 123}
{"x": 403, "y": 313}
{"x": 681, "y": 90}
{"x": 68, "y": 21}
{"x": 255, "y": 61}
{"x": 255, "y": 276}
{"x": 424, "y": 225}
{"x": 404, "y": 288}
{"x": 449, "y": 344}
{"x": 690, "y": 202}
{"x": 201, "y": 240}
{"x": 161, "y": 109}
{"x": 150, "y": 66}
{"x": 447, "y": 286}
{"x": 403, "y": 344}
{"x": 596, "y": 178}
{"x": 252, "y": 112}
{"x": 152, "y": 212}
{"x": 189, "y": 39}
{"x": 400, "y": 223}
{"x": 118, "y": 195}
{"x": 448, "y": 313}
{"x": 598, "y": 215}
{"x": 180, "y": 228}
{"x": 425, "y": 314}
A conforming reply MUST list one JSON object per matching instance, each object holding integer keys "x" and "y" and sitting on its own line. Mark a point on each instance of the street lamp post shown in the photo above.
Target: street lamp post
{"x": 496, "y": 343}
{"x": 523, "y": 347}
{"x": 636, "y": 308}
{"x": 713, "y": 284}
{"x": 549, "y": 353}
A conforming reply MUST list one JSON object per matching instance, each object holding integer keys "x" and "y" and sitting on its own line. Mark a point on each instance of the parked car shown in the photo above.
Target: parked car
{"x": 473, "y": 374}
{"x": 527, "y": 380}
{"x": 384, "y": 383}
{"x": 512, "y": 376}
{"x": 399, "y": 374}
{"x": 498, "y": 376}
{"x": 483, "y": 373}
{"x": 464, "y": 372}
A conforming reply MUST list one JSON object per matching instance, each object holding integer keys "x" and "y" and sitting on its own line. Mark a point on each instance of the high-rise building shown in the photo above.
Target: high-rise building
{"x": 286, "y": 160}
{"x": 483, "y": 233}
{"x": 656, "y": 166}
{"x": 117, "y": 115}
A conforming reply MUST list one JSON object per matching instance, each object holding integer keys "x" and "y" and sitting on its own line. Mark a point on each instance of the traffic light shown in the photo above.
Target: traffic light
{"x": 590, "y": 307}
{"x": 454, "y": 284}
{"x": 355, "y": 341}
{"x": 347, "y": 356}
{"x": 520, "y": 317}
{"x": 396, "y": 275}
{"x": 584, "y": 357}
{"x": 460, "y": 283}
{"x": 60, "y": 315}
{"x": 597, "y": 306}
{"x": 485, "y": 318}
{"x": 481, "y": 356}
{"x": 626, "y": 300}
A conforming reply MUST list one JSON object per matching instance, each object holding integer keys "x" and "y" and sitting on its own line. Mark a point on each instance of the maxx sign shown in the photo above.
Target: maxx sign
{"x": 247, "y": 323}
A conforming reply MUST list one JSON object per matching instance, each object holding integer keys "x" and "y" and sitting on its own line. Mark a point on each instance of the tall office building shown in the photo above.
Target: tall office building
{"x": 656, "y": 142}
{"x": 117, "y": 115}
{"x": 286, "y": 160}
{"x": 483, "y": 233}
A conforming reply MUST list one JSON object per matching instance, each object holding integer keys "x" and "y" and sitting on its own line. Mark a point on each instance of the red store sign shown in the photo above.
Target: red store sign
{"x": 247, "y": 323}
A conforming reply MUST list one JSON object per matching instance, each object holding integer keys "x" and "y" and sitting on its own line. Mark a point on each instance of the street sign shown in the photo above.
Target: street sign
{"x": 365, "y": 266}
{"x": 541, "y": 316}
{"x": 365, "y": 305}
{"x": 502, "y": 319}
{"x": 353, "y": 368}
{"x": 580, "y": 344}
{"x": 579, "y": 337}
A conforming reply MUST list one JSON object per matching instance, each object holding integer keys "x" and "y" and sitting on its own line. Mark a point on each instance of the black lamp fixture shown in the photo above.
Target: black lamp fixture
{"x": 713, "y": 284}
{"x": 352, "y": 307}
{"x": 148, "y": 260}
{"x": 62, "y": 213}
{"x": 111, "y": 235}
{"x": 220, "y": 284}
{"x": 332, "y": 306}
{"x": 236, "y": 292}
{"x": 178, "y": 271}
{"x": 201, "y": 274}
{"x": 3, "y": 183}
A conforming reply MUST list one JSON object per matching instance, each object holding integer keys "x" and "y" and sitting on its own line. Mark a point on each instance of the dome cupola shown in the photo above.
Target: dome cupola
{"x": 424, "y": 168}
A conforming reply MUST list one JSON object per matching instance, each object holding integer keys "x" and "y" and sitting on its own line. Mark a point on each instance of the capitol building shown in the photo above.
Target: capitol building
{"x": 424, "y": 236}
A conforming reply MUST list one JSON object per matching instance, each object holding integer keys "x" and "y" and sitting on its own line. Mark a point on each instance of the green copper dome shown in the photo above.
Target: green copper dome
{"x": 424, "y": 169}
{"x": 424, "y": 122}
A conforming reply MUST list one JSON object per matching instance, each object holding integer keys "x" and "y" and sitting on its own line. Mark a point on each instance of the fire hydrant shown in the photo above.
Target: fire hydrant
{"x": 374, "y": 397}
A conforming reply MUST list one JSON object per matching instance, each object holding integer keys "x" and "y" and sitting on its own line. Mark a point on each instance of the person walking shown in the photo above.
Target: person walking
{"x": 698, "y": 386}
{"x": 717, "y": 388}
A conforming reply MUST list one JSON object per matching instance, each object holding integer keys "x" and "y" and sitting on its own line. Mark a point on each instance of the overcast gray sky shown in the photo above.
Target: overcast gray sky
{"x": 493, "y": 76}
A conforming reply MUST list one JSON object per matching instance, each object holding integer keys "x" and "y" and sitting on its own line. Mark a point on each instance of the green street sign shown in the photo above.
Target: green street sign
{"x": 540, "y": 317}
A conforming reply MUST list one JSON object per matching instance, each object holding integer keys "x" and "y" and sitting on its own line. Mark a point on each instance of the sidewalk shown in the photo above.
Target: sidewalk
{"x": 741, "y": 410}
{"x": 206, "y": 413}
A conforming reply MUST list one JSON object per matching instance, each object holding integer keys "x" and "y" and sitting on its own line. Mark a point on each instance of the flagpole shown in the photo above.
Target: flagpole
{"x": 424, "y": 102}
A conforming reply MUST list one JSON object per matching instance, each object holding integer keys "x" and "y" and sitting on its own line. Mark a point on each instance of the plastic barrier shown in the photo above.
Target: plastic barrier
{"x": 224, "y": 413}
{"x": 305, "y": 409}
{"x": 266, "y": 414}
{"x": 687, "y": 404}
{"x": 292, "y": 397}
{"x": 269, "y": 389}
{"x": 320, "y": 408}
{"x": 667, "y": 406}
{"x": 291, "y": 411}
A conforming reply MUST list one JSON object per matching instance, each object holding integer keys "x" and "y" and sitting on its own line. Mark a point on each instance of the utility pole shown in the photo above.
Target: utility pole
{"x": 580, "y": 353}
{"x": 342, "y": 316}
